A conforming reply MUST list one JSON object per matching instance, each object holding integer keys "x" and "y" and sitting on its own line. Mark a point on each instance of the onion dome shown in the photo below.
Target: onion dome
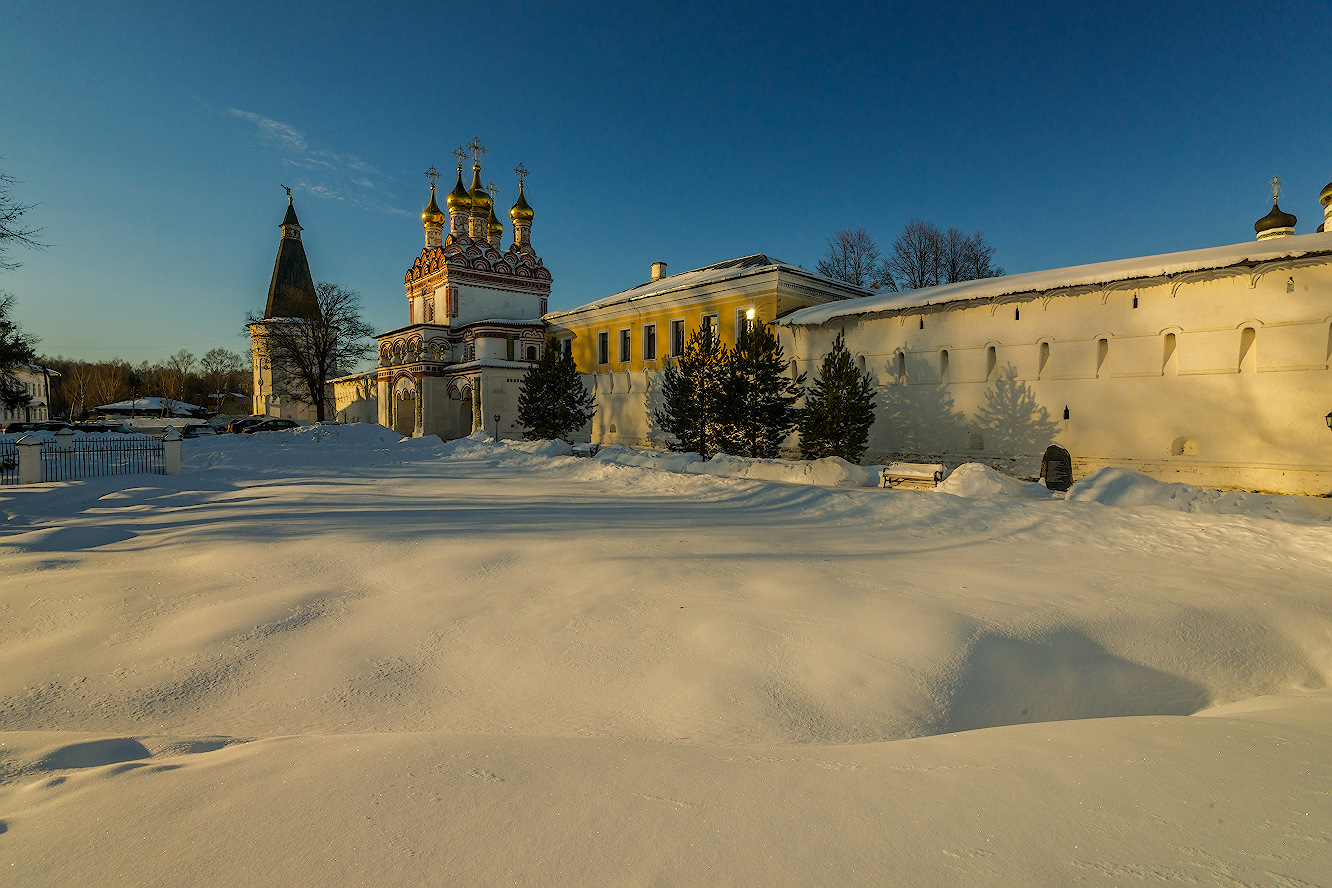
{"x": 1275, "y": 223}
{"x": 432, "y": 215}
{"x": 458, "y": 198}
{"x": 521, "y": 212}
{"x": 481, "y": 202}
{"x": 1325, "y": 197}
{"x": 493, "y": 226}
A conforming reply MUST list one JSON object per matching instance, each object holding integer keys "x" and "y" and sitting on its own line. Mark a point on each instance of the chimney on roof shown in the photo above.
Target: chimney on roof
{"x": 658, "y": 270}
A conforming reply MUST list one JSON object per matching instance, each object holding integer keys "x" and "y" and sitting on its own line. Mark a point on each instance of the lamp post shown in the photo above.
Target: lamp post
{"x": 497, "y": 419}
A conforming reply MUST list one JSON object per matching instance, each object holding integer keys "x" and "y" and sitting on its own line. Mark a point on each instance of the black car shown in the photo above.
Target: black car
{"x": 240, "y": 425}
{"x": 272, "y": 425}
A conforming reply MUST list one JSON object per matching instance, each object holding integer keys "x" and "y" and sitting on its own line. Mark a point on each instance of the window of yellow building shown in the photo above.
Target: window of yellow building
{"x": 649, "y": 342}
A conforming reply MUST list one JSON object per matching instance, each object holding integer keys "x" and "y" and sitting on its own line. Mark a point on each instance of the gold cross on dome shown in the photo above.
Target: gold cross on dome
{"x": 1276, "y": 188}
{"x": 493, "y": 190}
{"x": 432, "y": 174}
{"x": 461, "y": 153}
{"x": 477, "y": 149}
{"x": 522, "y": 174}
{"x": 288, "y": 192}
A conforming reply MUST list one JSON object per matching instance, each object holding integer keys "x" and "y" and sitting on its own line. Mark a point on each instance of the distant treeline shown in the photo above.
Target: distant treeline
{"x": 84, "y": 385}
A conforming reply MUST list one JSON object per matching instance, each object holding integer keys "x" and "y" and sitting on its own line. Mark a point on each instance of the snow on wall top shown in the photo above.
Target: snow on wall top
{"x": 1250, "y": 253}
{"x": 732, "y": 268}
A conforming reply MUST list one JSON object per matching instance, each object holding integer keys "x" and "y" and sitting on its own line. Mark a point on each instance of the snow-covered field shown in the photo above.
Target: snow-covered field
{"x": 331, "y": 657}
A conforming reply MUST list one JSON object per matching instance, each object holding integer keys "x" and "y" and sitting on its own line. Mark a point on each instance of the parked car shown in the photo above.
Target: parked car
{"x": 239, "y": 425}
{"x": 272, "y": 425}
{"x": 14, "y": 428}
{"x": 197, "y": 430}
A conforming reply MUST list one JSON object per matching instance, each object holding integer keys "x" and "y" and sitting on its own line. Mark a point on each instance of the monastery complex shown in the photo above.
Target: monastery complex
{"x": 1210, "y": 366}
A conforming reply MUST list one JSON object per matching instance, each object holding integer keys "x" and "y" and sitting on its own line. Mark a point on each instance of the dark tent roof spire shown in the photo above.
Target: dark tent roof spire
{"x": 291, "y": 294}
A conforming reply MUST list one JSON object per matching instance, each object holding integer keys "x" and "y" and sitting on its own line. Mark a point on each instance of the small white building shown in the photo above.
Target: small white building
{"x": 1210, "y": 366}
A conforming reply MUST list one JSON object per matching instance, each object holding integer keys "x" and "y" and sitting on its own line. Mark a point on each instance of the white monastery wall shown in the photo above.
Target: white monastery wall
{"x": 1222, "y": 381}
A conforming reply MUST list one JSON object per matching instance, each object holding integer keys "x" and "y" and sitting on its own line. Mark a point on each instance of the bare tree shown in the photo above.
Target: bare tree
{"x": 914, "y": 261}
{"x": 109, "y": 382}
{"x": 220, "y": 367}
{"x": 924, "y": 256}
{"x": 977, "y": 259}
{"x": 852, "y": 256}
{"x": 12, "y": 230}
{"x": 75, "y": 382}
{"x": 174, "y": 377}
{"x": 305, "y": 352}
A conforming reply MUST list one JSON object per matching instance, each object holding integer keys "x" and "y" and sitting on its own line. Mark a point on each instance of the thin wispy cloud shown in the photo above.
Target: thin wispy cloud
{"x": 327, "y": 174}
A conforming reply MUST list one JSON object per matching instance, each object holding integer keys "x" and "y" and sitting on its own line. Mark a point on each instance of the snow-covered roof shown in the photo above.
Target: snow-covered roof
{"x": 148, "y": 404}
{"x": 731, "y": 268}
{"x": 1162, "y": 265}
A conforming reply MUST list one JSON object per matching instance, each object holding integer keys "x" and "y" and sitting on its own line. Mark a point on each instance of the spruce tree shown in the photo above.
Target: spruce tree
{"x": 692, "y": 397}
{"x": 553, "y": 403}
{"x": 839, "y": 409}
{"x": 758, "y": 396}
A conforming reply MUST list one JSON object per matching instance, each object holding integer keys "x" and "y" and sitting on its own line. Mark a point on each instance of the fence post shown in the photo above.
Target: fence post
{"x": 29, "y": 449}
{"x": 171, "y": 450}
{"x": 65, "y": 440}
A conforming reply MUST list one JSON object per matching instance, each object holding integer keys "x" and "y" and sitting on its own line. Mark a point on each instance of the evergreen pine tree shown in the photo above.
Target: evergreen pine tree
{"x": 692, "y": 394}
{"x": 758, "y": 396}
{"x": 553, "y": 403}
{"x": 839, "y": 409}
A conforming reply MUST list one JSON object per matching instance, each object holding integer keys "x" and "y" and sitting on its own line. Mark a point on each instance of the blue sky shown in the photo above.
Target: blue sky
{"x": 154, "y": 138}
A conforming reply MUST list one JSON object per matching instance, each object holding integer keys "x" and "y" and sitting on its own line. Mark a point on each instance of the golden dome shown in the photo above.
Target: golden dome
{"x": 1325, "y": 198}
{"x": 481, "y": 202}
{"x": 458, "y": 198}
{"x": 521, "y": 212}
{"x": 432, "y": 215}
{"x": 493, "y": 226}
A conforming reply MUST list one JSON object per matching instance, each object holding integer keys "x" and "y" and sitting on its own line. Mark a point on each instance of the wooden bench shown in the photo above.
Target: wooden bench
{"x": 911, "y": 476}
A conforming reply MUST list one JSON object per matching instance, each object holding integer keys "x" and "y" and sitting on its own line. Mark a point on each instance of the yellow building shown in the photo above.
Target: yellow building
{"x": 622, "y": 343}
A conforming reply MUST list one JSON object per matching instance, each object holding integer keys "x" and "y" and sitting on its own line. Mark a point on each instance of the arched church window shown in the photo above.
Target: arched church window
{"x": 1102, "y": 352}
{"x": 991, "y": 360}
{"x": 1169, "y": 356}
{"x": 1044, "y": 361}
{"x": 531, "y": 353}
{"x": 943, "y": 365}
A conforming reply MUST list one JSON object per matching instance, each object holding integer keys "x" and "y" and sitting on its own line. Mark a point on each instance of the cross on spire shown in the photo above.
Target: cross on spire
{"x": 493, "y": 190}
{"x": 477, "y": 149}
{"x": 461, "y": 153}
{"x": 1276, "y": 188}
{"x": 288, "y": 193}
{"x": 522, "y": 174}
{"x": 432, "y": 174}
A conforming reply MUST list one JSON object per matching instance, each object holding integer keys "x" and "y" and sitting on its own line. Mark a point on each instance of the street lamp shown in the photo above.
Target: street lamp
{"x": 497, "y": 419}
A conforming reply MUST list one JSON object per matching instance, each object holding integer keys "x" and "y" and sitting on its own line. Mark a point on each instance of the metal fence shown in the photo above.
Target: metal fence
{"x": 105, "y": 454}
{"x": 8, "y": 463}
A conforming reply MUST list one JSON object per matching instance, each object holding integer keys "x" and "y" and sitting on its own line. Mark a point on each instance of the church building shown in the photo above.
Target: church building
{"x": 473, "y": 317}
